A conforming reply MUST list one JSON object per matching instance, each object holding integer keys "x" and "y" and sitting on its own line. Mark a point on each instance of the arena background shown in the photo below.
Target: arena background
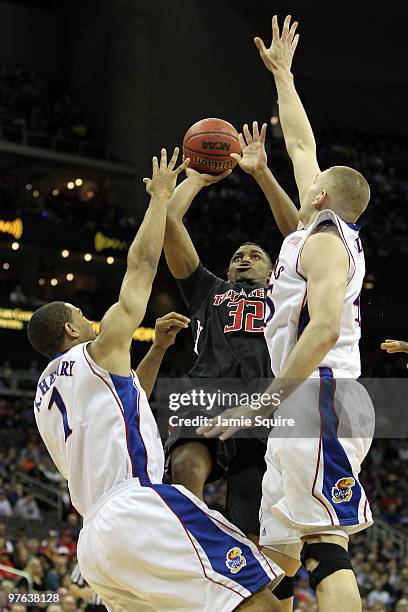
{"x": 89, "y": 92}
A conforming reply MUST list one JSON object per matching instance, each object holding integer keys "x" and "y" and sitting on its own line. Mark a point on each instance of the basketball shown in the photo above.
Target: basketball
{"x": 209, "y": 143}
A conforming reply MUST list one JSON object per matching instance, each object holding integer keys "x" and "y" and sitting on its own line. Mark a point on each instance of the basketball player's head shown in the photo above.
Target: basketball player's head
{"x": 250, "y": 263}
{"x": 340, "y": 189}
{"x": 57, "y": 327}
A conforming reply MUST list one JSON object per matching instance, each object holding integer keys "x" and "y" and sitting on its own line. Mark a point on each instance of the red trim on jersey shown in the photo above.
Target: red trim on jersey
{"x": 195, "y": 548}
{"x": 348, "y": 250}
{"x": 318, "y": 462}
{"x": 365, "y": 510}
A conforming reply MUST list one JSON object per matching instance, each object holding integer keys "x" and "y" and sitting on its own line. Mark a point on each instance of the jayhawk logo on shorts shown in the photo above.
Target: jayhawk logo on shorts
{"x": 341, "y": 492}
{"x": 235, "y": 560}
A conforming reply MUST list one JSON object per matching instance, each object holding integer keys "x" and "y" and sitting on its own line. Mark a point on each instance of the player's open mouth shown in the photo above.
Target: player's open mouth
{"x": 244, "y": 267}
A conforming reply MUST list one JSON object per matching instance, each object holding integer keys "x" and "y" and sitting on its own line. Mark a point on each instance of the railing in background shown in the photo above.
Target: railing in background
{"x": 381, "y": 532}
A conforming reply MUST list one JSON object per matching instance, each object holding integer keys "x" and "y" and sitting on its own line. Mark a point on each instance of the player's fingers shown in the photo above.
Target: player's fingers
{"x": 242, "y": 142}
{"x": 294, "y": 43}
{"x": 147, "y": 181}
{"x": 214, "y": 432}
{"x": 163, "y": 159}
{"x": 260, "y": 45}
{"x": 174, "y": 315}
{"x": 292, "y": 31}
{"x": 263, "y": 133}
{"x": 174, "y": 157}
{"x": 171, "y": 323}
{"x": 247, "y": 134}
{"x": 285, "y": 29}
{"x": 255, "y": 130}
{"x": 205, "y": 428}
{"x": 275, "y": 28}
{"x": 155, "y": 165}
{"x": 236, "y": 156}
{"x": 182, "y": 166}
{"x": 228, "y": 433}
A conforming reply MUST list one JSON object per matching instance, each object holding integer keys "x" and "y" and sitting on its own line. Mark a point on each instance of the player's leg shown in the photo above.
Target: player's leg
{"x": 284, "y": 592}
{"x": 327, "y": 561}
{"x": 263, "y": 601}
{"x": 191, "y": 465}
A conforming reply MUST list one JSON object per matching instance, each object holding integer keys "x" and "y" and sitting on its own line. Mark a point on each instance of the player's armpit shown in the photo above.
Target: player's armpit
{"x": 326, "y": 263}
{"x": 306, "y": 168}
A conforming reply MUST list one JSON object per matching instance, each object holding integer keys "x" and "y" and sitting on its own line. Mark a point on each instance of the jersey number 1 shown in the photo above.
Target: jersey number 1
{"x": 59, "y": 402}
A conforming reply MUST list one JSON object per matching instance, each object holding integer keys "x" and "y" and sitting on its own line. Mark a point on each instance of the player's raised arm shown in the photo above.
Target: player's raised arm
{"x": 254, "y": 161}
{"x": 299, "y": 137}
{"x": 111, "y": 348}
{"x": 179, "y": 250}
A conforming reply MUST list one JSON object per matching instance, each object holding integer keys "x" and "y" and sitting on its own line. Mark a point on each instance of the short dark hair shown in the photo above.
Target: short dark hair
{"x": 46, "y": 328}
{"x": 260, "y": 248}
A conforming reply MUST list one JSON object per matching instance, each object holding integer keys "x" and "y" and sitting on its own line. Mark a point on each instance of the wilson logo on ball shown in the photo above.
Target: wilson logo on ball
{"x": 215, "y": 146}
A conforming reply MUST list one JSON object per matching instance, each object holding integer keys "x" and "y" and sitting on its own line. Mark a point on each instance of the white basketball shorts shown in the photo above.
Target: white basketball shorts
{"x": 158, "y": 547}
{"x": 311, "y": 483}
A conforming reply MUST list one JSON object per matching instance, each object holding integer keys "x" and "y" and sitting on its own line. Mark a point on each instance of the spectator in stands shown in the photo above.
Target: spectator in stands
{"x": 5, "y": 506}
{"x": 27, "y": 508}
{"x": 69, "y": 604}
{"x": 35, "y": 569}
{"x": 401, "y": 605}
{"x": 379, "y": 594}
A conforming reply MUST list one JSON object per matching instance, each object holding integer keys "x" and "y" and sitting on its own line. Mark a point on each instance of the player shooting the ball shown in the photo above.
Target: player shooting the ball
{"x": 227, "y": 317}
{"x": 312, "y": 498}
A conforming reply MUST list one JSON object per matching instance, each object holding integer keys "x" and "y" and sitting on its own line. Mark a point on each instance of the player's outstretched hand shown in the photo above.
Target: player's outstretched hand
{"x": 226, "y": 424}
{"x": 395, "y": 346}
{"x": 280, "y": 54}
{"x": 253, "y": 158}
{"x": 164, "y": 176}
{"x": 206, "y": 179}
{"x": 167, "y": 328}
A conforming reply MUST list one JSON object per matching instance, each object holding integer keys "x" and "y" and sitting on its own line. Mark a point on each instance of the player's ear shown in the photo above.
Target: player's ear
{"x": 71, "y": 330}
{"x": 320, "y": 200}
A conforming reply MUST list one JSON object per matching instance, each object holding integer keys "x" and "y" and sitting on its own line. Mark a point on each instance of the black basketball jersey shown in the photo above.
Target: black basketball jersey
{"x": 227, "y": 324}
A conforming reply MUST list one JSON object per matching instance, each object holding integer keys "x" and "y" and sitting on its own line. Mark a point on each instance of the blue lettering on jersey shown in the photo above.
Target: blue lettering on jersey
{"x": 65, "y": 368}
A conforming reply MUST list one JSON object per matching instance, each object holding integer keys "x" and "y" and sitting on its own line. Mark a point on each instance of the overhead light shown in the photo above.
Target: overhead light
{"x": 110, "y": 260}
{"x": 55, "y": 192}
{"x": 87, "y": 257}
{"x": 54, "y": 282}
{"x": 369, "y": 285}
{"x": 15, "y": 246}
{"x": 65, "y": 253}
{"x": 36, "y": 193}
{"x": 41, "y": 282}
{"x": 70, "y": 277}
{"x": 29, "y": 186}
{"x": 90, "y": 194}
{"x": 6, "y": 265}
{"x": 79, "y": 182}
{"x": 71, "y": 185}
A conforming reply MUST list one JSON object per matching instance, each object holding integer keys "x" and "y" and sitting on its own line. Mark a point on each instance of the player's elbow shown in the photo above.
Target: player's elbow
{"x": 329, "y": 331}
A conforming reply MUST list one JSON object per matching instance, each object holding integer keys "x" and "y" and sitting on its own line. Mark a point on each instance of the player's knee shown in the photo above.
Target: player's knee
{"x": 262, "y": 601}
{"x": 322, "y": 559}
{"x": 190, "y": 463}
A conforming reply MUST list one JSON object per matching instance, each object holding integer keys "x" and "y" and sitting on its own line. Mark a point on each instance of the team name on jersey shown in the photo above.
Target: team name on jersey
{"x": 233, "y": 296}
{"x": 64, "y": 368}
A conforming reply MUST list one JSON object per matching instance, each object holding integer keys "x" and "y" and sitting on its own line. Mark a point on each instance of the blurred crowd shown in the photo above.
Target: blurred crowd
{"x": 36, "y": 101}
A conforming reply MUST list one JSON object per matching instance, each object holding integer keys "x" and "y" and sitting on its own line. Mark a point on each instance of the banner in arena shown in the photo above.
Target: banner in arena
{"x": 17, "y": 319}
{"x": 42, "y": 232}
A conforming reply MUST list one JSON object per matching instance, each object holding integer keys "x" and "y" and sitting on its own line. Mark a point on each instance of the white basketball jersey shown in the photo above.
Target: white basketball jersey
{"x": 97, "y": 427}
{"x": 286, "y": 301}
